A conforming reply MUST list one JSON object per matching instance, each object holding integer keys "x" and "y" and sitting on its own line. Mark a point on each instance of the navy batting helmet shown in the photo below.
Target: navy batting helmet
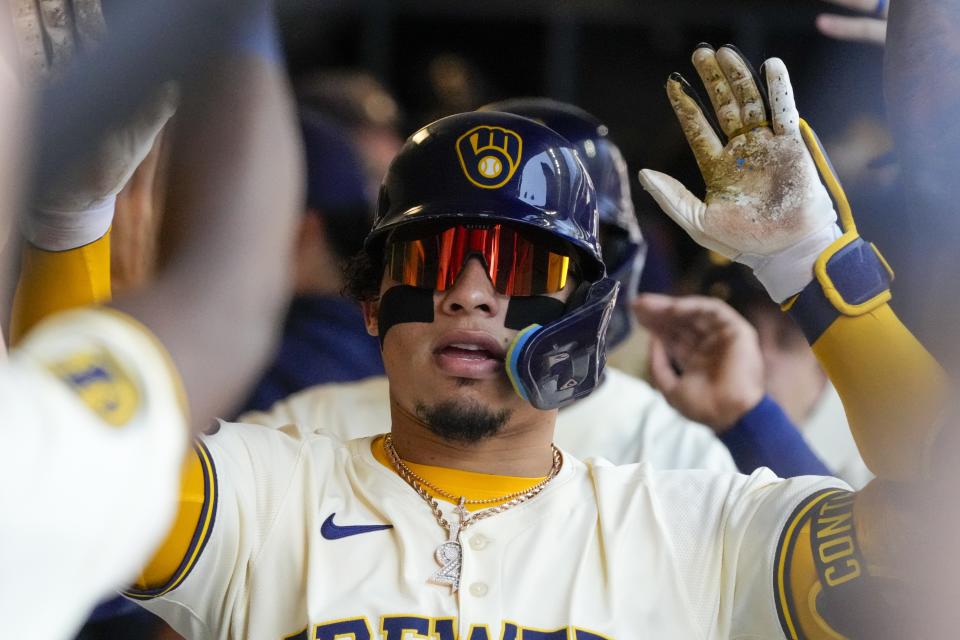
{"x": 481, "y": 169}
{"x": 622, "y": 243}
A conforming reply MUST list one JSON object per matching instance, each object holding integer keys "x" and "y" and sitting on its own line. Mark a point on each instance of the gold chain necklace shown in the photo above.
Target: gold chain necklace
{"x": 450, "y": 553}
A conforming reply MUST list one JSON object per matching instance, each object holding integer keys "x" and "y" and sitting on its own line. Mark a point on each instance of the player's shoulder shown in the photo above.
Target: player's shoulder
{"x": 255, "y": 445}
{"x": 329, "y": 406}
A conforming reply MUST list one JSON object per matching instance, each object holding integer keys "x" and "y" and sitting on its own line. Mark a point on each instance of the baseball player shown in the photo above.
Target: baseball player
{"x": 484, "y": 280}
{"x": 638, "y": 422}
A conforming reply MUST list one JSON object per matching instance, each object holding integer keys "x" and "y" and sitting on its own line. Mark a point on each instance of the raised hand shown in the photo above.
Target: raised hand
{"x": 870, "y": 28}
{"x": 50, "y": 34}
{"x": 704, "y": 357}
{"x": 765, "y": 205}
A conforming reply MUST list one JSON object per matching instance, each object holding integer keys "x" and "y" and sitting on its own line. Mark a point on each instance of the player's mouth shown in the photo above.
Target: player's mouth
{"x": 469, "y": 354}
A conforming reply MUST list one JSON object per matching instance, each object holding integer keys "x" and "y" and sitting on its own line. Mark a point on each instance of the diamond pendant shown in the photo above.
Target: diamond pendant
{"x": 450, "y": 554}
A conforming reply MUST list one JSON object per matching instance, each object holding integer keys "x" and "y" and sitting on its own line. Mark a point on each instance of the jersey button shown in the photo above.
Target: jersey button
{"x": 479, "y": 542}
{"x": 479, "y": 589}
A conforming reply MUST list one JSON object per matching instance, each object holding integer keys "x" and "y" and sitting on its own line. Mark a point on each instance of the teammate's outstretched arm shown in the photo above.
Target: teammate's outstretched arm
{"x": 66, "y": 260}
{"x": 766, "y": 207}
{"x": 70, "y": 405}
{"x": 235, "y": 178}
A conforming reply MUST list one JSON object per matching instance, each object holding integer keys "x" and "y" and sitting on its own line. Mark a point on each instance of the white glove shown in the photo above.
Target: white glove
{"x": 765, "y": 206}
{"x": 80, "y": 208}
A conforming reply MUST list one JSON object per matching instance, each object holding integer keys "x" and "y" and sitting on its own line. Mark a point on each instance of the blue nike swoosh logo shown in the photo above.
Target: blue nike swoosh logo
{"x": 332, "y": 531}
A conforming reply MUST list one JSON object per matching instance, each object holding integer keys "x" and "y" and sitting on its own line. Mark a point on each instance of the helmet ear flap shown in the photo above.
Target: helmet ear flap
{"x": 553, "y": 365}
{"x": 579, "y": 296}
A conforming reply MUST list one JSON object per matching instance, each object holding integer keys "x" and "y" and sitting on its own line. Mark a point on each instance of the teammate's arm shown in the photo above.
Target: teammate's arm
{"x": 834, "y": 284}
{"x": 705, "y": 358}
{"x": 231, "y": 189}
{"x": 66, "y": 260}
{"x": 235, "y": 182}
{"x": 766, "y": 207}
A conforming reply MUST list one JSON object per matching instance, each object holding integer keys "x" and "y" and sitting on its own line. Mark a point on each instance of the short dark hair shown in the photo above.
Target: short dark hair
{"x": 345, "y": 229}
{"x": 362, "y": 274}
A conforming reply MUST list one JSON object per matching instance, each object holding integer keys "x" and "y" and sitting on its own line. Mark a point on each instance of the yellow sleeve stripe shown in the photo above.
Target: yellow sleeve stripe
{"x": 201, "y": 532}
{"x": 893, "y": 391}
{"x": 783, "y": 593}
{"x": 54, "y": 281}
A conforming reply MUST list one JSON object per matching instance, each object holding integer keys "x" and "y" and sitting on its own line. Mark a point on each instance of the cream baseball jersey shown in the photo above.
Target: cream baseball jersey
{"x": 311, "y": 537}
{"x": 92, "y": 438}
{"x": 623, "y": 421}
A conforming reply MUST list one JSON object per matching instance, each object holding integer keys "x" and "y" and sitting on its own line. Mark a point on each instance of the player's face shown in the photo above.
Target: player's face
{"x": 458, "y": 359}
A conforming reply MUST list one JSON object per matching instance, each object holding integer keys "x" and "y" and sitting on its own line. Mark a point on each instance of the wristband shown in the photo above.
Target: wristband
{"x": 851, "y": 278}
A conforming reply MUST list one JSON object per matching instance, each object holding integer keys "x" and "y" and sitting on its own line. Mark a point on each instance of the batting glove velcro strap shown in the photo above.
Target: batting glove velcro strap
{"x": 851, "y": 278}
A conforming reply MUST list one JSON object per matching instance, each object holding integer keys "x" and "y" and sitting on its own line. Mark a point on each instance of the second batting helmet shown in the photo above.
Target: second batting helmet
{"x": 622, "y": 244}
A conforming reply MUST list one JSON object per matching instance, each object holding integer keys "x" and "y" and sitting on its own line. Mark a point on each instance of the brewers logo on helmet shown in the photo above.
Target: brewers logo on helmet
{"x": 489, "y": 155}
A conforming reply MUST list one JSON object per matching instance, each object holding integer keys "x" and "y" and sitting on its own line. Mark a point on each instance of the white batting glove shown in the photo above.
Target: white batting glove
{"x": 80, "y": 208}
{"x": 765, "y": 206}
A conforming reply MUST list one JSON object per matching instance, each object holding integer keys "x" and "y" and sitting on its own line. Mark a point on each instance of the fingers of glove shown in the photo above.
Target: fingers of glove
{"x": 721, "y": 93}
{"x": 700, "y": 134}
{"x": 674, "y": 198}
{"x": 684, "y": 208}
{"x": 90, "y": 24}
{"x": 743, "y": 82}
{"x": 57, "y": 19}
{"x": 29, "y": 33}
{"x": 871, "y": 30}
{"x": 126, "y": 147}
{"x": 154, "y": 113}
{"x": 783, "y": 108}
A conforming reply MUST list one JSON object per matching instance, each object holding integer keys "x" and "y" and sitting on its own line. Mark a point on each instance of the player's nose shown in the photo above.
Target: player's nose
{"x": 472, "y": 292}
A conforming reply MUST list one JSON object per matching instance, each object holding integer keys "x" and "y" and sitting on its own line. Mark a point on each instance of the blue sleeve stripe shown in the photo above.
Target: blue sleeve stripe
{"x": 766, "y": 437}
{"x": 201, "y": 534}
